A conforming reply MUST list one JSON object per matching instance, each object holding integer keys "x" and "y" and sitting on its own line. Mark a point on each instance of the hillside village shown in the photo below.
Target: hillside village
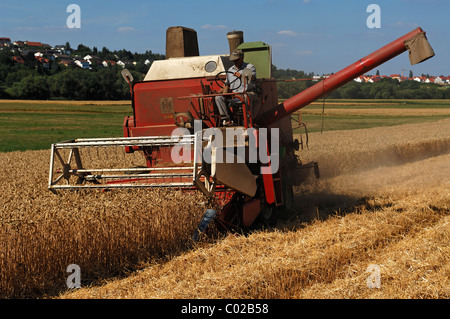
{"x": 35, "y": 70}
{"x": 44, "y": 53}
{"x": 443, "y": 80}
{"x": 367, "y": 78}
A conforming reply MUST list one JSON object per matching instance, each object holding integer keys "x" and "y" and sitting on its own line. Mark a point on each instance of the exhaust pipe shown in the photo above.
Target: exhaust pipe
{"x": 235, "y": 39}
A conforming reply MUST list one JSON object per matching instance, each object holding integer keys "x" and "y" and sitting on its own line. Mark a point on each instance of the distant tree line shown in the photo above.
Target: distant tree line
{"x": 32, "y": 80}
{"x": 386, "y": 88}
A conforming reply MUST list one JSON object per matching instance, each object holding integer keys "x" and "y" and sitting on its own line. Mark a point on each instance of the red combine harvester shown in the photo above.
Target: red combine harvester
{"x": 251, "y": 167}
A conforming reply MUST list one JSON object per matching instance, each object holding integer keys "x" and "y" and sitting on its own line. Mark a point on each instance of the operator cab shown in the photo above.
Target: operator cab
{"x": 210, "y": 72}
{"x": 181, "y": 89}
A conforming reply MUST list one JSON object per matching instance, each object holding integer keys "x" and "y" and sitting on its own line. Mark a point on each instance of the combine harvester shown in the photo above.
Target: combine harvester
{"x": 249, "y": 168}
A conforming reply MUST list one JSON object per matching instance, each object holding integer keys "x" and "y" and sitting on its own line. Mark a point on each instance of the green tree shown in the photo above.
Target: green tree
{"x": 6, "y": 57}
{"x": 30, "y": 87}
{"x": 18, "y": 75}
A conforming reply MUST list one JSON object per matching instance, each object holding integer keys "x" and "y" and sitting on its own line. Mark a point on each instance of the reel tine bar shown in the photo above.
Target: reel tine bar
{"x": 128, "y": 177}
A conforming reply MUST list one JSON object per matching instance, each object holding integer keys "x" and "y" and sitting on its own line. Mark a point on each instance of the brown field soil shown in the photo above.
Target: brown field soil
{"x": 382, "y": 199}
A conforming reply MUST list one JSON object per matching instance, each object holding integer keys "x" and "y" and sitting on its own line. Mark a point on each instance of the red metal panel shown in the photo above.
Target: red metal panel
{"x": 152, "y": 130}
{"x": 155, "y": 105}
{"x": 268, "y": 185}
{"x": 156, "y": 101}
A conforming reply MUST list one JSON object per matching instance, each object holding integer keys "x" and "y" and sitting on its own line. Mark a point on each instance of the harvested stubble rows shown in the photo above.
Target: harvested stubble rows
{"x": 323, "y": 260}
{"x": 341, "y": 152}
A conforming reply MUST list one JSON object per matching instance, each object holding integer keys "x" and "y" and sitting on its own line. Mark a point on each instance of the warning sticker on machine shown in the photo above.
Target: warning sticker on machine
{"x": 166, "y": 105}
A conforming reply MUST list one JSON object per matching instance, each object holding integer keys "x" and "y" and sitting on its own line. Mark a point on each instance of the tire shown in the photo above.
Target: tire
{"x": 288, "y": 196}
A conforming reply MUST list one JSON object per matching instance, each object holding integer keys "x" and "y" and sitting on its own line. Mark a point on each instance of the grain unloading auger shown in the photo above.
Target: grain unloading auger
{"x": 250, "y": 167}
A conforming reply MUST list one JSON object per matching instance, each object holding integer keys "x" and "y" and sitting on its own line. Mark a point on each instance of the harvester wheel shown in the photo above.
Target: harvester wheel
{"x": 288, "y": 196}
{"x": 267, "y": 215}
{"x": 266, "y": 212}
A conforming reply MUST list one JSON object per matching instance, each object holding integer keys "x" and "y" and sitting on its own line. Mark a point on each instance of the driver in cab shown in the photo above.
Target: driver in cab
{"x": 234, "y": 83}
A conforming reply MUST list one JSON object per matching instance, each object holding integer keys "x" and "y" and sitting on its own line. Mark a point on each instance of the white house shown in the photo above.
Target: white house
{"x": 82, "y": 64}
{"x": 5, "y": 42}
{"x": 439, "y": 80}
{"x": 92, "y": 59}
{"x": 316, "y": 77}
{"x": 107, "y": 63}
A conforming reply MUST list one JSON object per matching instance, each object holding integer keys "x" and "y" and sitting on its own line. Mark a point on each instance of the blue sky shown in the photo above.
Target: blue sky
{"x": 320, "y": 36}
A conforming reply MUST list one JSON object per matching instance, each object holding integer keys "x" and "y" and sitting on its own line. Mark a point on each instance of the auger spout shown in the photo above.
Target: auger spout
{"x": 414, "y": 41}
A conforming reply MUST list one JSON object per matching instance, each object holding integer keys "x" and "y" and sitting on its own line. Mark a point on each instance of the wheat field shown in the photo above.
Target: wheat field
{"x": 382, "y": 199}
{"x": 106, "y": 233}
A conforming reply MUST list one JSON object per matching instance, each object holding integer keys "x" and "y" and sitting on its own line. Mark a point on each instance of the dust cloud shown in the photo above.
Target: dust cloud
{"x": 359, "y": 164}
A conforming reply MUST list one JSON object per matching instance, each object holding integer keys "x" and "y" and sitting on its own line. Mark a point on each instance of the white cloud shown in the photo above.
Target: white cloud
{"x": 287, "y": 32}
{"x": 279, "y": 45}
{"x": 405, "y": 24}
{"x": 26, "y": 29}
{"x": 125, "y": 29}
{"x": 213, "y": 27}
{"x": 304, "y": 52}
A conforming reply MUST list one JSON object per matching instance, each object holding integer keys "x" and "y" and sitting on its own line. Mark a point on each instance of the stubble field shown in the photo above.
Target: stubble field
{"x": 382, "y": 199}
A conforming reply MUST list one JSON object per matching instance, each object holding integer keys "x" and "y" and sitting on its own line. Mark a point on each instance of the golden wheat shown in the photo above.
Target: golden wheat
{"x": 326, "y": 259}
{"x": 392, "y": 214}
{"x": 102, "y": 232}
{"x": 379, "y": 215}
